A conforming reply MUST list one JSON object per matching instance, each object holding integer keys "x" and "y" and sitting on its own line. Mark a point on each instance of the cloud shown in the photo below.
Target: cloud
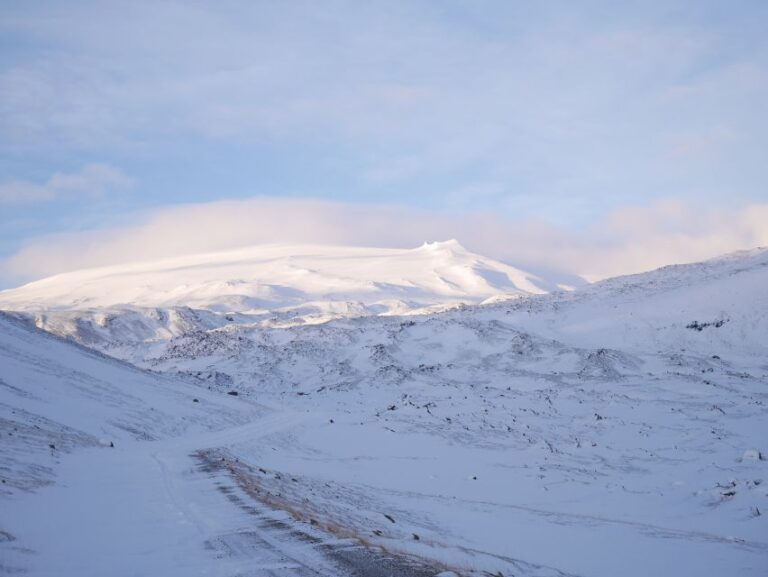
{"x": 626, "y": 241}
{"x": 553, "y": 101}
{"x": 555, "y": 110}
{"x": 91, "y": 181}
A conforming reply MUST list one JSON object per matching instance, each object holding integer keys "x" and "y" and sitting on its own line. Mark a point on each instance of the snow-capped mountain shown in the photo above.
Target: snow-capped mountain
{"x": 271, "y": 285}
{"x": 269, "y": 277}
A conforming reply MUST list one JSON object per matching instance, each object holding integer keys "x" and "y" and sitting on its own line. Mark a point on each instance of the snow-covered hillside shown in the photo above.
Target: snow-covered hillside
{"x": 715, "y": 307}
{"x": 58, "y": 396}
{"x": 619, "y": 429}
{"x": 270, "y": 285}
{"x": 99, "y": 475}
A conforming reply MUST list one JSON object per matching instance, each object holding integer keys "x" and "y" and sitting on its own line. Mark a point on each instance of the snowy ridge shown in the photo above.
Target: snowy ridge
{"x": 720, "y": 305}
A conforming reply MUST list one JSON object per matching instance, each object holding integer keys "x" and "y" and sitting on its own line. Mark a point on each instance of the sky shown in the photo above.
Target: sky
{"x": 593, "y": 138}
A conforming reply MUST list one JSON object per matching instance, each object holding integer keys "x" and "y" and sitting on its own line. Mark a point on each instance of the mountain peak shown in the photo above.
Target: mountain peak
{"x": 452, "y": 245}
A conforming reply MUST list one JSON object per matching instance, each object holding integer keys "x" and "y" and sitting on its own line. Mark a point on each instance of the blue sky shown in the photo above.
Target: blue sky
{"x": 563, "y": 114}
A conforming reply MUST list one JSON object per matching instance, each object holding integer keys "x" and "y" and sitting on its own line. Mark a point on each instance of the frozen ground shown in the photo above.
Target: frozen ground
{"x": 616, "y": 430}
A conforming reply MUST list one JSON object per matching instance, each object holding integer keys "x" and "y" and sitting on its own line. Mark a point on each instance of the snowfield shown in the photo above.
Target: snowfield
{"x": 618, "y": 429}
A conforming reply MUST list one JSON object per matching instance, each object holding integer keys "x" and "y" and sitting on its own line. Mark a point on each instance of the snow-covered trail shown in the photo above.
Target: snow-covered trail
{"x": 151, "y": 508}
{"x": 138, "y": 509}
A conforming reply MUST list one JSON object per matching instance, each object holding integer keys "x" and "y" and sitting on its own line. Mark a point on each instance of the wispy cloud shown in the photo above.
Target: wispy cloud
{"x": 554, "y": 100}
{"x": 628, "y": 240}
{"x": 91, "y": 181}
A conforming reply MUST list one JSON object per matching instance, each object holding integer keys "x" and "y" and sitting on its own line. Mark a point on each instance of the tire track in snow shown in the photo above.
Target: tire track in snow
{"x": 269, "y": 543}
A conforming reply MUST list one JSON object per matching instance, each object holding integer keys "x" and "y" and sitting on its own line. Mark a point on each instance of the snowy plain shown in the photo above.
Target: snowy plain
{"x": 616, "y": 429}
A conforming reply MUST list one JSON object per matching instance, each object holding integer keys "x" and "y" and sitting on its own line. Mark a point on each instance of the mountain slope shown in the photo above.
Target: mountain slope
{"x": 56, "y": 396}
{"x": 715, "y": 307}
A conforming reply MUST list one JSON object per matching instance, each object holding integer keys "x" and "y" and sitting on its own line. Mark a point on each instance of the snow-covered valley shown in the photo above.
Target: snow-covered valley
{"x": 616, "y": 429}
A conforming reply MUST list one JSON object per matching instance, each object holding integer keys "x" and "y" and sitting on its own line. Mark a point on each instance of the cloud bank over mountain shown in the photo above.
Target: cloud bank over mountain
{"x": 628, "y": 240}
